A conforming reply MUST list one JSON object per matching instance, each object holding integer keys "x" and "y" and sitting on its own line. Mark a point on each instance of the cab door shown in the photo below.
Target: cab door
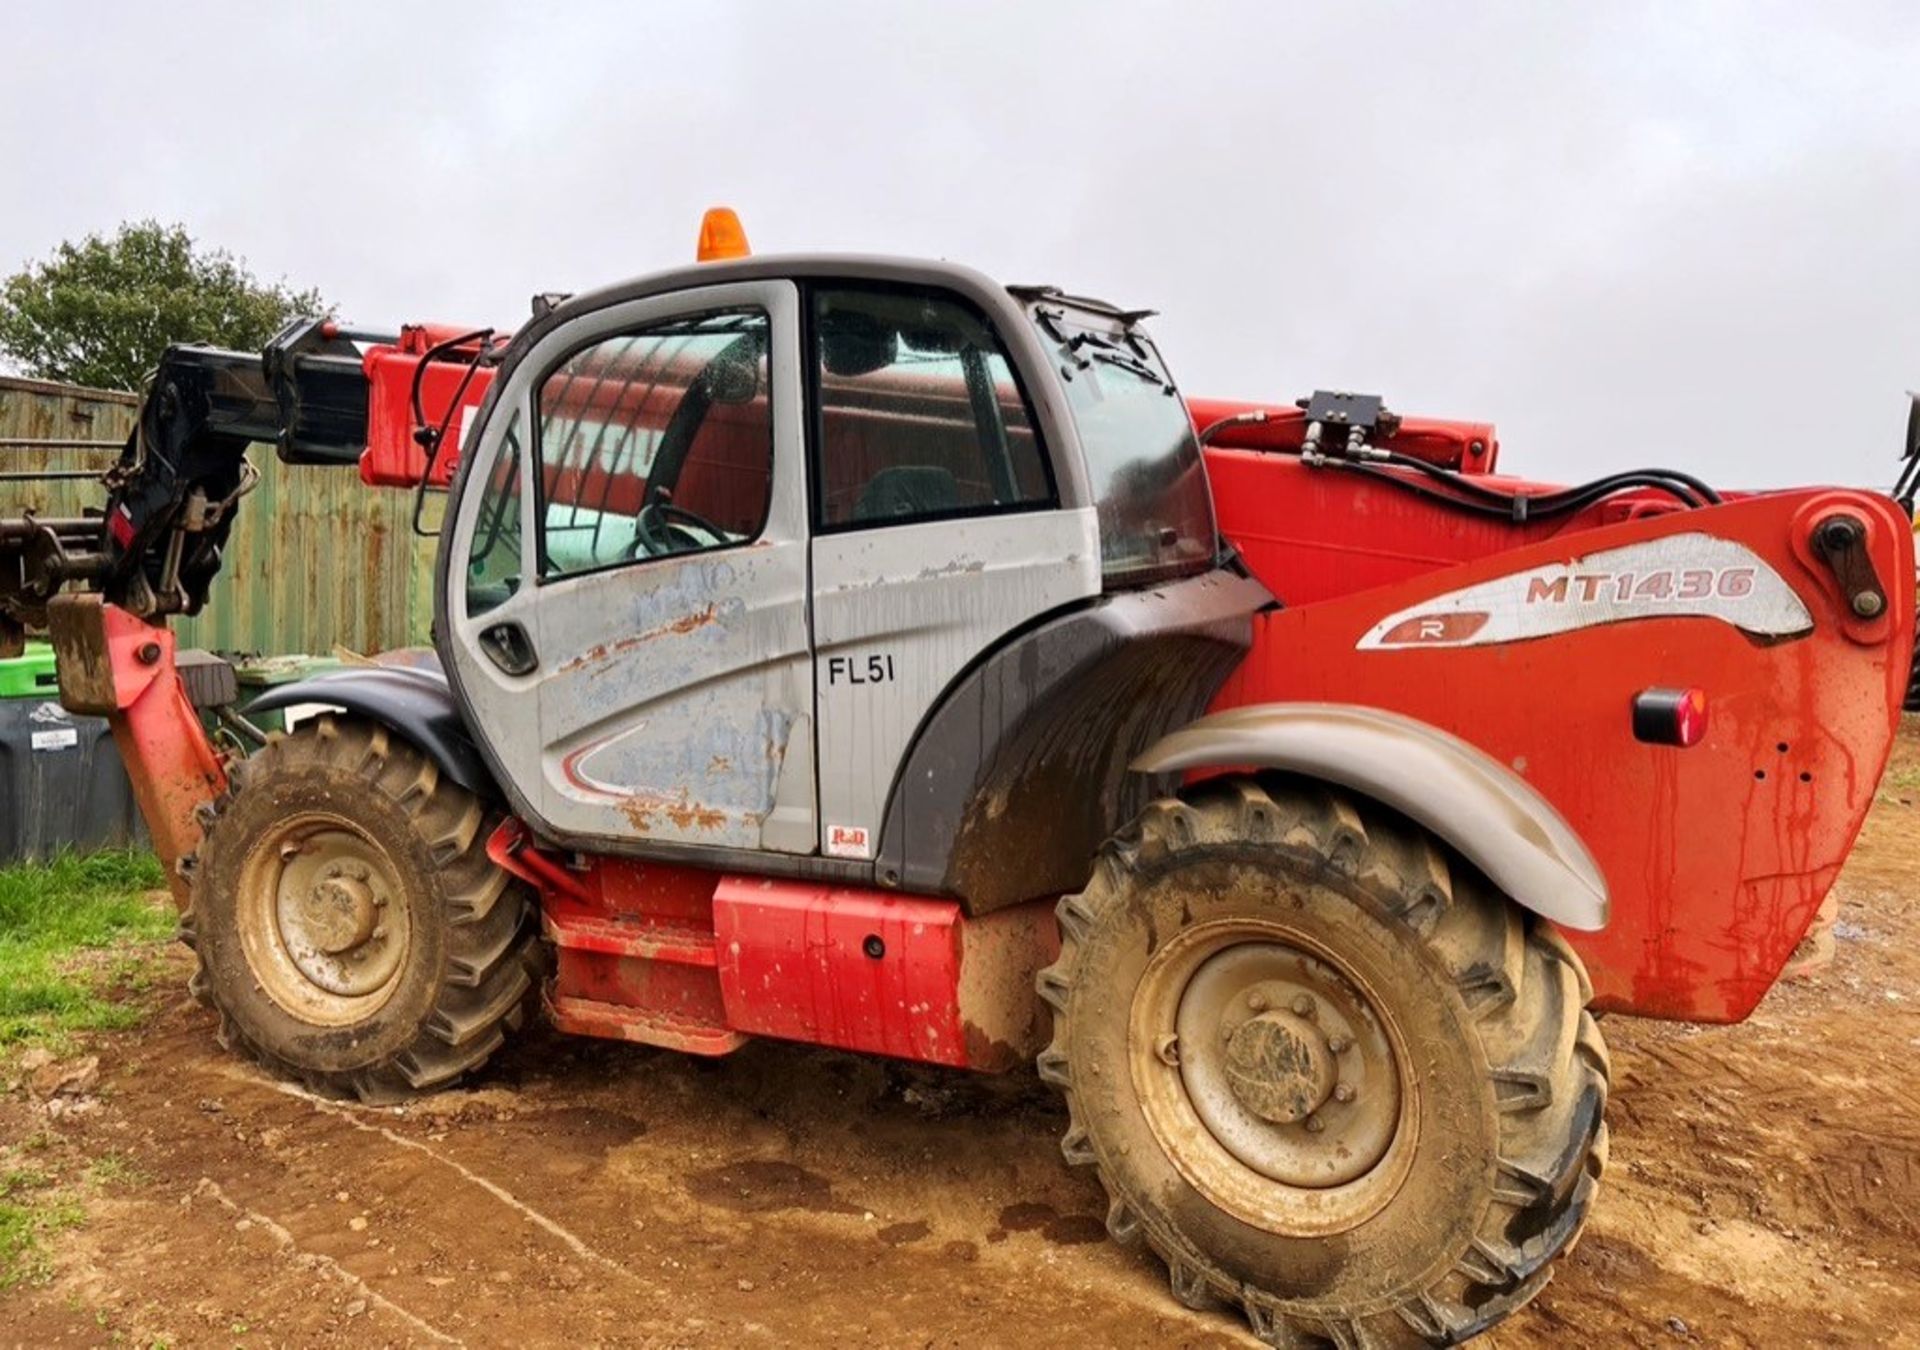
{"x": 939, "y": 528}
{"x": 637, "y": 655}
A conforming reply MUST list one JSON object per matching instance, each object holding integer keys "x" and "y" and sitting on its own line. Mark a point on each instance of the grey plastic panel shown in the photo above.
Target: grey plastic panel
{"x": 1494, "y": 818}
{"x": 899, "y": 612}
{"x": 1020, "y": 773}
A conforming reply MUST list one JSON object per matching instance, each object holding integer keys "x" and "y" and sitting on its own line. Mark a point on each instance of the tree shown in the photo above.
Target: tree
{"x": 101, "y": 311}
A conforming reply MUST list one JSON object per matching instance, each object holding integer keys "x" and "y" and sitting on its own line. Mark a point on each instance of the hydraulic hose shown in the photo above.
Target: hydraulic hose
{"x": 1464, "y": 493}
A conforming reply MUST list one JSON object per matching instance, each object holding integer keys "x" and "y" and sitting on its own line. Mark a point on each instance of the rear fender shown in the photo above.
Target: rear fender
{"x": 1477, "y": 806}
{"x": 414, "y": 703}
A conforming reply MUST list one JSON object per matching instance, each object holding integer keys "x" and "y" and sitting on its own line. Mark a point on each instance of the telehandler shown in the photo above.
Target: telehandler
{"x": 856, "y": 651}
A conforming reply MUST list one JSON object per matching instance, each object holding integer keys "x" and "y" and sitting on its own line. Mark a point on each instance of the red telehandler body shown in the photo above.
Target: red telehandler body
{"x": 857, "y": 652}
{"x": 1717, "y": 858}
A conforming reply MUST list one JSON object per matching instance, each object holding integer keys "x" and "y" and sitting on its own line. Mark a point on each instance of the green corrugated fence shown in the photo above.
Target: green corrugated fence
{"x": 317, "y": 560}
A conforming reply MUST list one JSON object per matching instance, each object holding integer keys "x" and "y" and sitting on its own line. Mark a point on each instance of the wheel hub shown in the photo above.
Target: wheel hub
{"x": 325, "y": 921}
{"x": 1270, "y": 1078}
{"x": 1286, "y": 1064}
{"x": 337, "y": 914}
{"x": 1279, "y": 1066}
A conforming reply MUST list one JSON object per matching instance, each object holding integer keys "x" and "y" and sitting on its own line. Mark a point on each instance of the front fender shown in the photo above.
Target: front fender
{"x": 413, "y": 702}
{"x": 1483, "y": 810}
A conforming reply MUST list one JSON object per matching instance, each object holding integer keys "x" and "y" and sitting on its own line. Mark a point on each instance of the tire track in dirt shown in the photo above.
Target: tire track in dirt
{"x": 714, "y": 1245}
{"x": 497, "y": 1191}
{"x": 450, "y": 1253}
{"x": 329, "y": 1265}
{"x": 777, "y": 1186}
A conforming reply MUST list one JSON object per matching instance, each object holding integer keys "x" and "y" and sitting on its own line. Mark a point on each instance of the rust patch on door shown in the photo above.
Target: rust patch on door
{"x": 680, "y": 627}
{"x": 642, "y": 809}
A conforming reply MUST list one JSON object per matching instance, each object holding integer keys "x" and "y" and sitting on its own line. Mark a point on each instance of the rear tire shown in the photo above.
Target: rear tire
{"x": 350, "y": 928}
{"x": 1323, "y": 1069}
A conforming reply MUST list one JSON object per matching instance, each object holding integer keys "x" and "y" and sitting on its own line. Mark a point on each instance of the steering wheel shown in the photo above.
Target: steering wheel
{"x": 653, "y": 528}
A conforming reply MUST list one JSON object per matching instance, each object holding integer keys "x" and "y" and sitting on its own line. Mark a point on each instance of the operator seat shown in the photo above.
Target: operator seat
{"x": 908, "y": 490}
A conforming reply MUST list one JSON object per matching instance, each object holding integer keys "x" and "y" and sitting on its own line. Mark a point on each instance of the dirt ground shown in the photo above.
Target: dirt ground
{"x": 1764, "y": 1190}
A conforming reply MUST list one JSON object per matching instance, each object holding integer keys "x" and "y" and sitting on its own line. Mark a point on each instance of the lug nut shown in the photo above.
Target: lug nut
{"x": 1257, "y": 1001}
{"x": 1338, "y": 1044}
{"x": 1314, "y": 1124}
{"x": 1343, "y": 1092}
{"x": 379, "y": 932}
{"x": 1303, "y": 1006}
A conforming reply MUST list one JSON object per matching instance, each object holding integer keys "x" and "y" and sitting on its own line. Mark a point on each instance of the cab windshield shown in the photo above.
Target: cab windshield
{"x": 1143, "y": 460}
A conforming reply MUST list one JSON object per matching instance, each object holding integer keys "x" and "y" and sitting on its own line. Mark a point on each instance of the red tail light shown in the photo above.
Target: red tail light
{"x": 1670, "y": 716}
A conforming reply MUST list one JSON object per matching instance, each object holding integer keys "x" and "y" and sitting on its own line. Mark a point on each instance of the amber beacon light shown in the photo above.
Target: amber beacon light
{"x": 721, "y": 236}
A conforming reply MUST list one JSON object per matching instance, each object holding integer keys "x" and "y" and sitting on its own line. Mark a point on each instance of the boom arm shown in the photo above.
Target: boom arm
{"x": 320, "y": 394}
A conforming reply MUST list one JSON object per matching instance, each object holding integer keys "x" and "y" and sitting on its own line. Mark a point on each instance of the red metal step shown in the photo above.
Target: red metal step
{"x": 579, "y": 928}
{"x": 648, "y": 1026}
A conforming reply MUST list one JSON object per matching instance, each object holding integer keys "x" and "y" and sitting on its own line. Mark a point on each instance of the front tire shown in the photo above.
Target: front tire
{"x": 1323, "y": 1069}
{"x": 350, "y": 928}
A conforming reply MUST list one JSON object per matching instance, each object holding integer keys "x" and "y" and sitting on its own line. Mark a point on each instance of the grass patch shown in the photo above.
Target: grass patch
{"x": 51, "y": 913}
{"x": 114, "y": 1169}
{"x": 28, "y": 1212}
{"x": 1902, "y": 778}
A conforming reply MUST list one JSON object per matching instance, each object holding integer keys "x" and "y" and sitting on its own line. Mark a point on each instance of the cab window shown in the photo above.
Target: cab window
{"x": 656, "y": 442}
{"x": 919, "y": 413}
{"x": 1143, "y": 460}
{"x": 493, "y": 558}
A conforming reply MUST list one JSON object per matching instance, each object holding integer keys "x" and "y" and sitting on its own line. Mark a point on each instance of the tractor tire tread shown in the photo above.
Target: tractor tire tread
{"x": 1522, "y": 983}
{"x": 494, "y": 964}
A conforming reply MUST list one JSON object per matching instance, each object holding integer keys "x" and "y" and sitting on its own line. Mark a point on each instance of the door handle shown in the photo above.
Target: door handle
{"x": 508, "y": 647}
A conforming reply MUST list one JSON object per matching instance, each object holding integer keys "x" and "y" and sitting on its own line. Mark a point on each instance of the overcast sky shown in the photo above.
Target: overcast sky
{"x": 1684, "y": 234}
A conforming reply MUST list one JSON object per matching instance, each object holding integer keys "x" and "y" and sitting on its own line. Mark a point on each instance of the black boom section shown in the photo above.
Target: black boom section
{"x": 415, "y": 704}
{"x": 1020, "y": 774}
{"x": 172, "y": 495}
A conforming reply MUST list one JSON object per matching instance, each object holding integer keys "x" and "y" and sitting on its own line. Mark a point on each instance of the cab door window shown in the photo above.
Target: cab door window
{"x": 655, "y": 443}
{"x": 493, "y": 558}
{"x": 920, "y": 416}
